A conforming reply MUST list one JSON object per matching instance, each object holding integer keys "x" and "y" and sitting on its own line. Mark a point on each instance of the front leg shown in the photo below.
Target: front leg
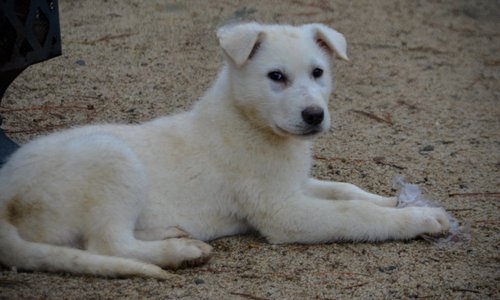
{"x": 303, "y": 219}
{"x": 345, "y": 191}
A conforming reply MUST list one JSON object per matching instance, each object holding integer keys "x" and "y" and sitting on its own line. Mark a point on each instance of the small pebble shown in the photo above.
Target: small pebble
{"x": 388, "y": 268}
{"x": 80, "y": 62}
{"x": 426, "y": 149}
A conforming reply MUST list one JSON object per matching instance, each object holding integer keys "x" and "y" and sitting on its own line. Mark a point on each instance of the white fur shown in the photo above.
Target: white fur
{"x": 119, "y": 200}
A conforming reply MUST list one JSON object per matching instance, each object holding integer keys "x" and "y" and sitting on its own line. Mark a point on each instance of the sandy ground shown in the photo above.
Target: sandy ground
{"x": 420, "y": 98}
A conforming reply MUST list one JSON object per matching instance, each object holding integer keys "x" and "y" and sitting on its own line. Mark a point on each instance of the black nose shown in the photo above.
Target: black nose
{"x": 313, "y": 115}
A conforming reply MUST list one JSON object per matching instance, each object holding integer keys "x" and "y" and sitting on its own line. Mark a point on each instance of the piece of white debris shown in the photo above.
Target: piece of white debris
{"x": 411, "y": 195}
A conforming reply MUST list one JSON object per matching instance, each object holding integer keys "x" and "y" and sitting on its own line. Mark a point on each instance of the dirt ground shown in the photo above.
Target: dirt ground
{"x": 419, "y": 98}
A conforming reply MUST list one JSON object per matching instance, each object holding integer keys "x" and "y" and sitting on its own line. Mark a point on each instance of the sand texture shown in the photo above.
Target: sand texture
{"x": 419, "y": 98}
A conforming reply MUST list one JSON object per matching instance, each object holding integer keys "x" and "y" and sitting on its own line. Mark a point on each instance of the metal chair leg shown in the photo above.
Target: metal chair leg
{"x": 29, "y": 33}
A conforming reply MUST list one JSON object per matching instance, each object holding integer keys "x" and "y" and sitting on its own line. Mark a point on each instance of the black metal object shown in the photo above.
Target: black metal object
{"x": 29, "y": 33}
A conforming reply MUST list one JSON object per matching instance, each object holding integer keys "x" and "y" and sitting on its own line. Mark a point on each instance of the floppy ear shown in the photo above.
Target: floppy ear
{"x": 329, "y": 39}
{"x": 239, "y": 41}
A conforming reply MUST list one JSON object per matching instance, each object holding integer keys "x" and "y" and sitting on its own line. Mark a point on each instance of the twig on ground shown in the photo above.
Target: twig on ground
{"x": 355, "y": 285}
{"x": 378, "y": 160}
{"x": 479, "y": 194}
{"x": 353, "y": 250}
{"x": 249, "y": 296}
{"x": 381, "y": 161}
{"x": 376, "y": 46}
{"x": 308, "y": 14}
{"x": 466, "y": 290}
{"x": 212, "y": 270}
{"x": 50, "y": 110}
{"x": 479, "y": 78}
{"x": 8, "y": 283}
{"x": 409, "y": 105}
{"x": 46, "y": 108}
{"x": 109, "y": 37}
{"x": 386, "y": 119}
{"x": 338, "y": 273}
{"x": 428, "y": 296}
{"x": 488, "y": 222}
{"x": 280, "y": 274}
{"x": 426, "y": 50}
{"x": 342, "y": 159}
{"x": 38, "y": 129}
{"x": 492, "y": 63}
{"x": 323, "y": 7}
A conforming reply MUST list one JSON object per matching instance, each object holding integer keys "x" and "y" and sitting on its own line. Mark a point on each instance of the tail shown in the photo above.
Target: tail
{"x": 24, "y": 255}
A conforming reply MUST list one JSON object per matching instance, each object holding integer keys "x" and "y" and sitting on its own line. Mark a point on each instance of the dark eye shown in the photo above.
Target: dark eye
{"x": 317, "y": 73}
{"x": 276, "y": 76}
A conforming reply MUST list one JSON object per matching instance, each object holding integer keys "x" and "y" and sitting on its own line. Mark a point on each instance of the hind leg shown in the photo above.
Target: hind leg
{"x": 167, "y": 248}
{"x": 169, "y": 253}
{"x": 114, "y": 189}
{"x": 163, "y": 247}
{"x": 159, "y": 233}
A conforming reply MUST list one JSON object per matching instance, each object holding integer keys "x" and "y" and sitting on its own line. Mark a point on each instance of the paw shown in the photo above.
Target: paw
{"x": 430, "y": 220}
{"x": 192, "y": 253}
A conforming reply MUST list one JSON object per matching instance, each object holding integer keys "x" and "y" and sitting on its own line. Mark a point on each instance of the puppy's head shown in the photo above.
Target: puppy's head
{"x": 280, "y": 75}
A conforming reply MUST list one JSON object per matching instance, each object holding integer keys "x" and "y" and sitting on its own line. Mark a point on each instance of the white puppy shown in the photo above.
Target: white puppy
{"x": 120, "y": 200}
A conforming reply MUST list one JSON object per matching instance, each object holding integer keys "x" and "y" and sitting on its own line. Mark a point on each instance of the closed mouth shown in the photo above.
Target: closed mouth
{"x": 313, "y": 131}
{"x": 309, "y": 132}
